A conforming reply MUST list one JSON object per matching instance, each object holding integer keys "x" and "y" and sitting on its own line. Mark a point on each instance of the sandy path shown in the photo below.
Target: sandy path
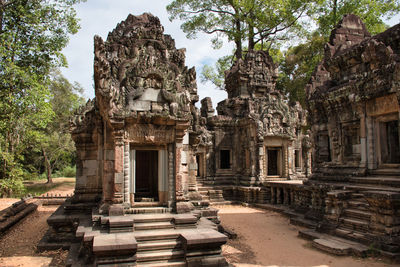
{"x": 18, "y": 245}
{"x": 266, "y": 238}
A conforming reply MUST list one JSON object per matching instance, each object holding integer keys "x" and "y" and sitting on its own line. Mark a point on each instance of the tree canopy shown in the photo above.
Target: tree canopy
{"x": 254, "y": 21}
{"x": 301, "y": 59}
{"x": 32, "y": 36}
{"x": 268, "y": 24}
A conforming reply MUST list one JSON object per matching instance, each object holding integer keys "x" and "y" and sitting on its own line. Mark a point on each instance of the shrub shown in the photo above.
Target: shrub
{"x": 11, "y": 187}
{"x": 68, "y": 171}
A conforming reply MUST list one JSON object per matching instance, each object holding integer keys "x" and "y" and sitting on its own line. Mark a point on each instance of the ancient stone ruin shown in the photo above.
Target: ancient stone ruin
{"x": 134, "y": 159}
{"x": 354, "y": 115}
{"x": 149, "y": 162}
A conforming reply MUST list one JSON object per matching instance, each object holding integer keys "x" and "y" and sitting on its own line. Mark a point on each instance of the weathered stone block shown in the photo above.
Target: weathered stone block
{"x": 114, "y": 244}
{"x": 116, "y": 210}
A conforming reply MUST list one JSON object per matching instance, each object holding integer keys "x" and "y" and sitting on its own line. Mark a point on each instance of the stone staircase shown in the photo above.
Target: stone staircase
{"x": 210, "y": 192}
{"x": 157, "y": 242}
{"x": 354, "y": 222}
{"x": 145, "y": 239}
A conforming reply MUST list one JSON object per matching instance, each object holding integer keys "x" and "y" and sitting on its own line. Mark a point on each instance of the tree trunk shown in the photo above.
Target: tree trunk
{"x": 334, "y": 13}
{"x": 48, "y": 167}
{"x": 251, "y": 37}
{"x": 238, "y": 40}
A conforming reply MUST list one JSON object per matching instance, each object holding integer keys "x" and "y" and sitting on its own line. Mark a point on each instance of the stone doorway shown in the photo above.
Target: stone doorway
{"x": 273, "y": 162}
{"x": 390, "y": 148}
{"x": 146, "y": 182}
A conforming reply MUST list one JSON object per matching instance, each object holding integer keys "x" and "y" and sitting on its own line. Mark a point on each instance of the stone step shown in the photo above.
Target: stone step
{"x": 149, "y": 235}
{"x": 201, "y": 188}
{"x": 160, "y": 255}
{"x": 357, "y": 195}
{"x": 358, "y": 204}
{"x": 159, "y": 245}
{"x": 174, "y": 263}
{"x": 339, "y": 247}
{"x": 158, "y": 217}
{"x": 153, "y": 225}
{"x": 334, "y": 245}
{"x": 386, "y": 174}
{"x": 354, "y": 224}
{"x": 352, "y": 235}
{"x": 358, "y": 214}
{"x": 146, "y": 204}
{"x": 145, "y": 210}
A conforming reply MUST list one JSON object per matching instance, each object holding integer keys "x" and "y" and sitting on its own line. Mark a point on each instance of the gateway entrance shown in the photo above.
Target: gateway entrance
{"x": 146, "y": 174}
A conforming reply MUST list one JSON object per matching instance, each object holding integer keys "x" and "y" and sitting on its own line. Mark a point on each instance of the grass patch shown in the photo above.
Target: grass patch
{"x": 39, "y": 187}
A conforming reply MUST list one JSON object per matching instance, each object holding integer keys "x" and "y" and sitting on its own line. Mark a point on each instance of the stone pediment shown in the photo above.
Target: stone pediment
{"x": 139, "y": 72}
{"x": 253, "y": 76}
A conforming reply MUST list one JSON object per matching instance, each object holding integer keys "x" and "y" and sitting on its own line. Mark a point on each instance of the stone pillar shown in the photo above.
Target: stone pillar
{"x": 180, "y": 132}
{"x": 372, "y": 164}
{"x": 178, "y": 172}
{"x": 273, "y": 197}
{"x": 285, "y": 196}
{"x": 278, "y": 195}
{"x": 119, "y": 152}
{"x": 171, "y": 176}
{"x": 261, "y": 161}
{"x": 285, "y": 171}
{"x": 290, "y": 159}
{"x": 126, "y": 174}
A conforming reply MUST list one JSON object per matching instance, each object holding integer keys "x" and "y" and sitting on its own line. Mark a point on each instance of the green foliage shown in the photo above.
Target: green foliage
{"x": 11, "y": 187}
{"x": 329, "y": 12}
{"x": 217, "y": 75}
{"x": 298, "y": 65}
{"x": 32, "y": 36}
{"x": 55, "y": 146}
{"x": 240, "y": 20}
{"x": 301, "y": 60}
{"x": 68, "y": 171}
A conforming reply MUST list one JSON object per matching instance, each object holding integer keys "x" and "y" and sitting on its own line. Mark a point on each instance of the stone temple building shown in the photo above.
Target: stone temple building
{"x": 354, "y": 114}
{"x": 257, "y": 136}
{"x": 149, "y": 161}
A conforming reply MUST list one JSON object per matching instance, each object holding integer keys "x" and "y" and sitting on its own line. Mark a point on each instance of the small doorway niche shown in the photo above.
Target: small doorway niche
{"x": 297, "y": 159}
{"x": 146, "y": 175}
{"x": 225, "y": 159}
{"x": 274, "y": 161}
{"x": 390, "y": 148}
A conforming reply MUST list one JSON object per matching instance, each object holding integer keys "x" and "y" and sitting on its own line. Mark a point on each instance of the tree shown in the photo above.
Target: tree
{"x": 301, "y": 60}
{"x": 256, "y": 21}
{"x": 55, "y": 143}
{"x": 372, "y": 12}
{"x": 32, "y": 36}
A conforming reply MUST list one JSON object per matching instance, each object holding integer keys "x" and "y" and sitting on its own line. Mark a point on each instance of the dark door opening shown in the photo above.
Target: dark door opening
{"x": 390, "y": 148}
{"x": 146, "y": 174}
{"x": 297, "y": 159}
{"x": 225, "y": 159}
{"x": 272, "y": 162}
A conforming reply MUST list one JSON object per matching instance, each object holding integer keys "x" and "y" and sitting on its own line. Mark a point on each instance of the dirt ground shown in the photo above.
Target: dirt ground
{"x": 265, "y": 238}
{"x": 18, "y": 245}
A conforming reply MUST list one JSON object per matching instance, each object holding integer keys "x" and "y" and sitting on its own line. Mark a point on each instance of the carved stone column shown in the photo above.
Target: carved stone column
{"x": 180, "y": 131}
{"x": 372, "y": 164}
{"x": 171, "y": 176}
{"x": 118, "y": 169}
{"x": 126, "y": 174}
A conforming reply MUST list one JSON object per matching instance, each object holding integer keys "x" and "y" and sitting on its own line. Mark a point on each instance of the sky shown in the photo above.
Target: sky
{"x": 98, "y": 17}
